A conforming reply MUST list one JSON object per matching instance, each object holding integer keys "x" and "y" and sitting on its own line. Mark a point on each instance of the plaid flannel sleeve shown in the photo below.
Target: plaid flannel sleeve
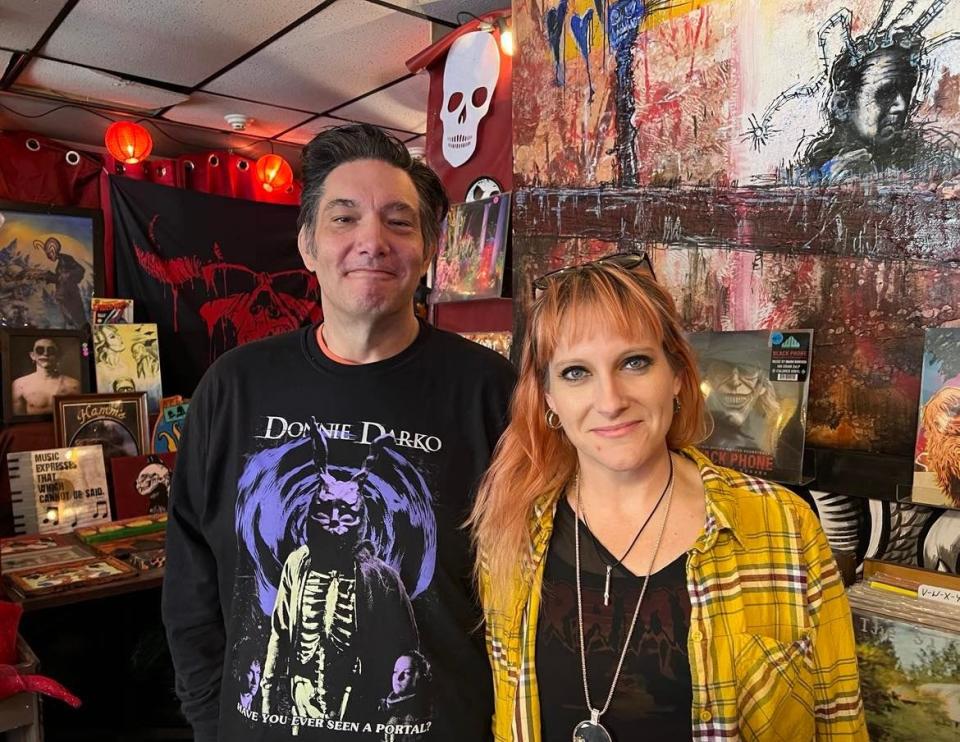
{"x": 836, "y": 682}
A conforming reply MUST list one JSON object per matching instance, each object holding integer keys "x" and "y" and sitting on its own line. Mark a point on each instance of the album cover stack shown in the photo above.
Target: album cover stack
{"x": 756, "y": 384}
{"x": 907, "y": 626}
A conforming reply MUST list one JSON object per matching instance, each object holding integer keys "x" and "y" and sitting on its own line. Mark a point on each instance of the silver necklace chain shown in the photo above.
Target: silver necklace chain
{"x": 597, "y": 713}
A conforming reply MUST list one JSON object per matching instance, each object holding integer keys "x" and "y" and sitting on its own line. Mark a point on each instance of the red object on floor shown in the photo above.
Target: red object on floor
{"x": 11, "y": 680}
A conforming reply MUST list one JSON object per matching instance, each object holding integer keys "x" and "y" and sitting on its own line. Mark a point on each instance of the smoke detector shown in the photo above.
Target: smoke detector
{"x": 237, "y": 121}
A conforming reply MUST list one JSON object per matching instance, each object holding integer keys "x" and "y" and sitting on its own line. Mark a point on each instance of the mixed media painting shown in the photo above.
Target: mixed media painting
{"x": 936, "y": 478}
{"x": 127, "y": 359}
{"x": 738, "y": 92}
{"x": 470, "y": 261}
{"x": 50, "y": 265}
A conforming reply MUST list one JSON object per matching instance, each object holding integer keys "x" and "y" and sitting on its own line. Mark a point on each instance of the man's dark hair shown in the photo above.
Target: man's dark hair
{"x": 342, "y": 144}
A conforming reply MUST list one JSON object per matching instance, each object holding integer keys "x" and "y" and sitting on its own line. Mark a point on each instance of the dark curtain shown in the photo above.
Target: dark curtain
{"x": 212, "y": 272}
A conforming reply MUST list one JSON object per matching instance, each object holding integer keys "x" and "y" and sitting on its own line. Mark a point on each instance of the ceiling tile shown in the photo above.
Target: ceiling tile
{"x": 204, "y": 109}
{"x": 402, "y": 106}
{"x": 82, "y": 84}
{"x": 5, "y": 59}
{"x": 22, "y": 22}
{"x": 342, "y": 52}
{"x": 176, "y": 42}
{"x": 303, "y": 134}
{"x": 446, "y": 10}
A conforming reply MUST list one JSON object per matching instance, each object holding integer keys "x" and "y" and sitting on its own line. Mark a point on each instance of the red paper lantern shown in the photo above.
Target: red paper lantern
{"x": 274, "y": 173}
{"x": 128, "y": 142}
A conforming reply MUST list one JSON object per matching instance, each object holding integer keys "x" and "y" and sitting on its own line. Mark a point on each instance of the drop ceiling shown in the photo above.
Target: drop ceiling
{"x": 293, "y": 67}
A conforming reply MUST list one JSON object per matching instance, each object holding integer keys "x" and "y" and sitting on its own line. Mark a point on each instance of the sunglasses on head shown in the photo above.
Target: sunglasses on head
{"x": 629, "y": 261}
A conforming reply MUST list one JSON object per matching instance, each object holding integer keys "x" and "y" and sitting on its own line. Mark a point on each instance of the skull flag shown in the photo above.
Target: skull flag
{"x": 469, "y": 79}
{"x": 211, "y": 272}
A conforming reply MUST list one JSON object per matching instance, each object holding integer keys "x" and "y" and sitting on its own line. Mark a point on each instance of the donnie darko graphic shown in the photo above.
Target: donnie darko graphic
{"x": 360, "y": 543}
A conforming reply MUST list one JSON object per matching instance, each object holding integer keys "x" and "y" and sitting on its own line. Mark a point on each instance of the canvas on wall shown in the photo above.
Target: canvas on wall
{"x": 470, "y": 261}
{"x": 50, "y": 265}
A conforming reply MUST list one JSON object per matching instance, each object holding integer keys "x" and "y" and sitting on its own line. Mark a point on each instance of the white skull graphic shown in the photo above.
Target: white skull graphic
{"x": 469, "y": 79}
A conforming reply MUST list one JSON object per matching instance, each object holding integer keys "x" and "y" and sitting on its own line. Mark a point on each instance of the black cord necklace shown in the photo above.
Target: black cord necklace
{"x": 597, "y": 545}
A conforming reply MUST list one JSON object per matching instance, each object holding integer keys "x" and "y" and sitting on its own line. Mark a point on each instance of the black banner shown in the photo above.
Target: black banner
{"x": 211, "y": 272}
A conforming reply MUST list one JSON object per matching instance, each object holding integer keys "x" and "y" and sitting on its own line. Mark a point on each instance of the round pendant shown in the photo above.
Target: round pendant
{"x": 590, "y": 731}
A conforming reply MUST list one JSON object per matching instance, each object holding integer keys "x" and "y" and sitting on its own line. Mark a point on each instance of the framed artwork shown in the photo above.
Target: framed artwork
{"x": 54, "y": 490}
{"x": 51, "y": 264}
{"x": 46, "y": 558}
{"x": 471, "y": 258}
{"x": 105, "y": 311}
{"x": 81, "y": 573}
{"x": 38, "y": 365}
{"x": 118, "y": 422}
{"x": 122, "y": 529}
{"x": 127, "y": 358}
{"x": 32, "y": 544}
{"x": 141, "y": 484}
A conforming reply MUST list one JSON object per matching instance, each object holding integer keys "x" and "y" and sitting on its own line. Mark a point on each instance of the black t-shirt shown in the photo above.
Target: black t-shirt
{"x": 654, "y": 695}
{"x": 318, "y": 575}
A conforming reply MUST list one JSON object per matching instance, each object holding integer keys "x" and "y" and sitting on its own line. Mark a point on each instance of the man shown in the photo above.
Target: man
{"x": 323, "y": 479}
{"x": 873, "y": 87}
{"x": 66, "y": 276}
{"x": 33, "y": 394}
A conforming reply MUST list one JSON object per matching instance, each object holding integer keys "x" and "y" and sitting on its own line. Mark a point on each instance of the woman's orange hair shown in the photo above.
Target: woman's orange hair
{"x": 532, "y": 460}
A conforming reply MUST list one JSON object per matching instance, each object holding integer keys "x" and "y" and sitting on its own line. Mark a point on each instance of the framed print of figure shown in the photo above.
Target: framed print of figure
{"x": 51, "y": 264}
{"x": 38, "y": 365}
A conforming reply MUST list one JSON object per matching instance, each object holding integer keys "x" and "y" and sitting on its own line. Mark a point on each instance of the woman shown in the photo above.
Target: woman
{"x": 686, "y": 600}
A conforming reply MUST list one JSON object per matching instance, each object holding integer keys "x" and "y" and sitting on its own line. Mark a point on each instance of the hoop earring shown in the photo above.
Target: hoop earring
{"x": 676, "y": 405}
{"x": 553, "y": 420}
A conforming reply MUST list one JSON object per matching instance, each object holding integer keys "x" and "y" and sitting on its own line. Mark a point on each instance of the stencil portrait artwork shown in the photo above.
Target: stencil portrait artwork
{"x": 884, "y": 76}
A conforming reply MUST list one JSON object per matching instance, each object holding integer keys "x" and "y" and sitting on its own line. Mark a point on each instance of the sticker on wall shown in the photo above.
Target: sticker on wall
{"x": 469, "y": 79}
{"x": 483, "y": 187}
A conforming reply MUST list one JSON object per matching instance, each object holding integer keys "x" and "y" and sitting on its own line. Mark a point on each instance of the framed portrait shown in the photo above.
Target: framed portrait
{"x": 81, "y": 573}
{"x": 118, "y": 422}
{"x": 39, "y": 365}
{"x": 51, "y": 264}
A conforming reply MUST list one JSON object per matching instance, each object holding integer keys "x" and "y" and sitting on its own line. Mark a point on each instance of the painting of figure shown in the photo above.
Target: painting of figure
{"x": 50, "y": 265}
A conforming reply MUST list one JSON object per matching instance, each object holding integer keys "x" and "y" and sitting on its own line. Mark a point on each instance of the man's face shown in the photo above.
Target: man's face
{"x": 880, "y": 108}
{"x": 252, "y": 676}
{"x": 405, "y": 676}
{"x": 735, "y": 389}
{"x": 367, "y": 248}
{"x": 45, "y": 353}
